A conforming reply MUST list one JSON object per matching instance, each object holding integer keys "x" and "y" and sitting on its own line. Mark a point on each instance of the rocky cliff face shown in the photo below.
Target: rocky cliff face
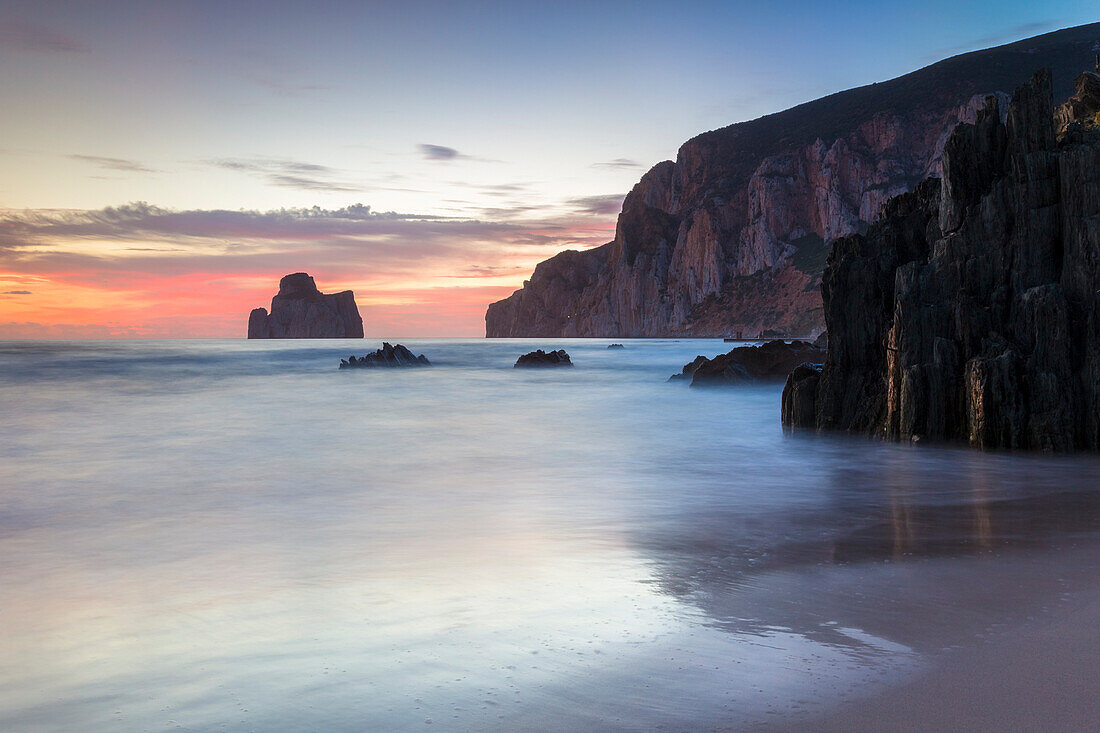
{"x": 971, "y": 310}
{"x": 732, "y": 236}
{"x": 300, "y": 310}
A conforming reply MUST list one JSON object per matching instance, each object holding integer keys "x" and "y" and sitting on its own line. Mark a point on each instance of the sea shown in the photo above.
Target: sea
{"x": 237, "y": 535}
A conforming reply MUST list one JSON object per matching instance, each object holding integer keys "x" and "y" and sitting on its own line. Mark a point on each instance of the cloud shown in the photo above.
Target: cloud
{"x": 1015, "y": 33}
{"x": 16, "y": 292}
{"x": 115, "y": 164}
{"x": 439, "y": 152}
{"x": 283, "y": 88}
{"x": 288, "y": 173}
{"x": 598, "y": 205}
{"x": 143, "y": 270}
{"x": 618, "y": 164}
{"x": 443, "y": 153}
{"x": 29, "y": 37}
{"x": 479, "y": 271}
{"x": 500, "y": 189}
{"x": 204, "y": 232}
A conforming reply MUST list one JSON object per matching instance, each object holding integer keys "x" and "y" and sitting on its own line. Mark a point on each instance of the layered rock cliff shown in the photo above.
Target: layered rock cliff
{"x": 301, "y": 311}
{"x": 732, "y": 236}
{"x": 971, "y": 310}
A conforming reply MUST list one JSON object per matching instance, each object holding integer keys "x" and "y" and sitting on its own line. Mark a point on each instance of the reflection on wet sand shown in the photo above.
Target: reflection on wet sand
{"x": 902, "y": 550}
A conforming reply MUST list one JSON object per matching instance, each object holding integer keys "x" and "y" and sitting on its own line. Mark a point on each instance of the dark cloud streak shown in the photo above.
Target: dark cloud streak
{"x": 439, "y": 152}
{"x": 1015, "y": 33}
{"x": 114, "y": 164}
{"x": 29, "y": 37}
{"x": 598, "y": 205}
{"x": 288, "y": 173}
{"x": 618, "y": 164}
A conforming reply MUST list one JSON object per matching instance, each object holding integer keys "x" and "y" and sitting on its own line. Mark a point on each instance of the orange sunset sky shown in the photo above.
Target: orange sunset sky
{"x": 162, "y": 165}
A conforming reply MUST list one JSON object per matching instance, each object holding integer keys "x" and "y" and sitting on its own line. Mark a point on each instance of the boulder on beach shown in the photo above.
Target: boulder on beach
{"x": 747, "y": 364}
{"x": 387, "y": 356}
{"x": 542, "y": 358}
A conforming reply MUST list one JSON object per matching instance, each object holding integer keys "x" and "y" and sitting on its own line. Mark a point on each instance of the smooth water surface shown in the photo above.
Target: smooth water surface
{"x": 209, "y": 535}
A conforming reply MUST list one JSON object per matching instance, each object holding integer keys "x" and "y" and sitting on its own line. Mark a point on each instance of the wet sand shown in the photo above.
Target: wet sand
{"x": 1039, "y": 670}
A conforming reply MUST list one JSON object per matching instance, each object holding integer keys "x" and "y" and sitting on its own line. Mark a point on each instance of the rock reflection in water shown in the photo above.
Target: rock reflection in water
{"x": 922, "y": 546}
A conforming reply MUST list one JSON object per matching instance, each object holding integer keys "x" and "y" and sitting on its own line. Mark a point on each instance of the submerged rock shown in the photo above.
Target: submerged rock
{"x": 616, "y": 346}
{"x": 748, "y": 364}
{"x": 542, "y": 358}
{"x": 971, "y": 310}
{"x": 300, "y": 310}
{"x": 387, "y": 356}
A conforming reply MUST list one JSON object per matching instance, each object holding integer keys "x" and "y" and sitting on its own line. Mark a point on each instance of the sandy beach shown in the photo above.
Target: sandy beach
{"x": 1037, "y": 672}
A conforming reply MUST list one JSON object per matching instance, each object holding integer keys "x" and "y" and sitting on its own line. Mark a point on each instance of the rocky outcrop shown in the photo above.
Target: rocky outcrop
{"x": 1084, "y": 106}
{"x": 971, "y": 310}
{"x": 615, "y": 346}
{"x": 747, "y": 364}
{"x": 387, "y": 356}
{"x": 732, "y": 235}
{"x": 542, "y": 358}
{"x": 301, "y": 311}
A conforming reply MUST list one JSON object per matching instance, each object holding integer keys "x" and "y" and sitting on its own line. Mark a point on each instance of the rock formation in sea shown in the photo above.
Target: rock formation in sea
{"x": 732, "y": 235}
{"x": 971, "y": 310}
{"x": 748, "y": 364}
{"x": 542, "y": 358}
{"x": 387, "y": 356}
{"x": 301, "y": 311}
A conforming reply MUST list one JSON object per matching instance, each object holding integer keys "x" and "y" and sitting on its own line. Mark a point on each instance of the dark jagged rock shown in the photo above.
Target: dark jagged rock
{"x": 387, "y": 356}
{"x": 300, "y": 310}
{"x": 542, "y": 358}
{"x": 971, "y": 310}
{"x": 733, "y": 234}
{"x": 615, "y": 346}
{"x": 798, "y": 394}
{"x": 1083, "y": 106}
{"x": 748, "y": 364}
{"x": 822, "y": 340}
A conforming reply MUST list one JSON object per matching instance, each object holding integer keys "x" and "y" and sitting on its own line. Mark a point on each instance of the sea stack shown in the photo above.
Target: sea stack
{"x": 971, "y": 310}
{"x": 301, "y": 311}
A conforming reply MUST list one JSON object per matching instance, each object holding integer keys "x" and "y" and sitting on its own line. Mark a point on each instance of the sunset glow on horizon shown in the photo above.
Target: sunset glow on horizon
{"x": 163, "y": 165}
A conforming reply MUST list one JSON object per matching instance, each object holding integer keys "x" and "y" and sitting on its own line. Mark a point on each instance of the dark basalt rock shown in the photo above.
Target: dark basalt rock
{"x": 616, "y": 346}
{"x": 1083, "y": 107}
{"x": 387, "y": 356}
{"x": 970, "y": 310}
{"x": 542, "y": 358}
{"x": 798, "y": 394}
{"x": 748, "y": 364}
{"x": 300, "y": 310}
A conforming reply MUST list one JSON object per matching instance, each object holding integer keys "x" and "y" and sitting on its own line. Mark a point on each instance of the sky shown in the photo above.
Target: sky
{"x": 163, "y": 164}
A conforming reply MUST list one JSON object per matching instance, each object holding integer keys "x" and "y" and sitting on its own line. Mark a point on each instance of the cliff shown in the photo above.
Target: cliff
{"x": 300, "y": 311}
{"x": 733, "y": 235}
{"x": 971, "y": 310}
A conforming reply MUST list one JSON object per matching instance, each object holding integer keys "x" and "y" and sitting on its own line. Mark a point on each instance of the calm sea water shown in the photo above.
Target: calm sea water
{"x": 209, "y": 535}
